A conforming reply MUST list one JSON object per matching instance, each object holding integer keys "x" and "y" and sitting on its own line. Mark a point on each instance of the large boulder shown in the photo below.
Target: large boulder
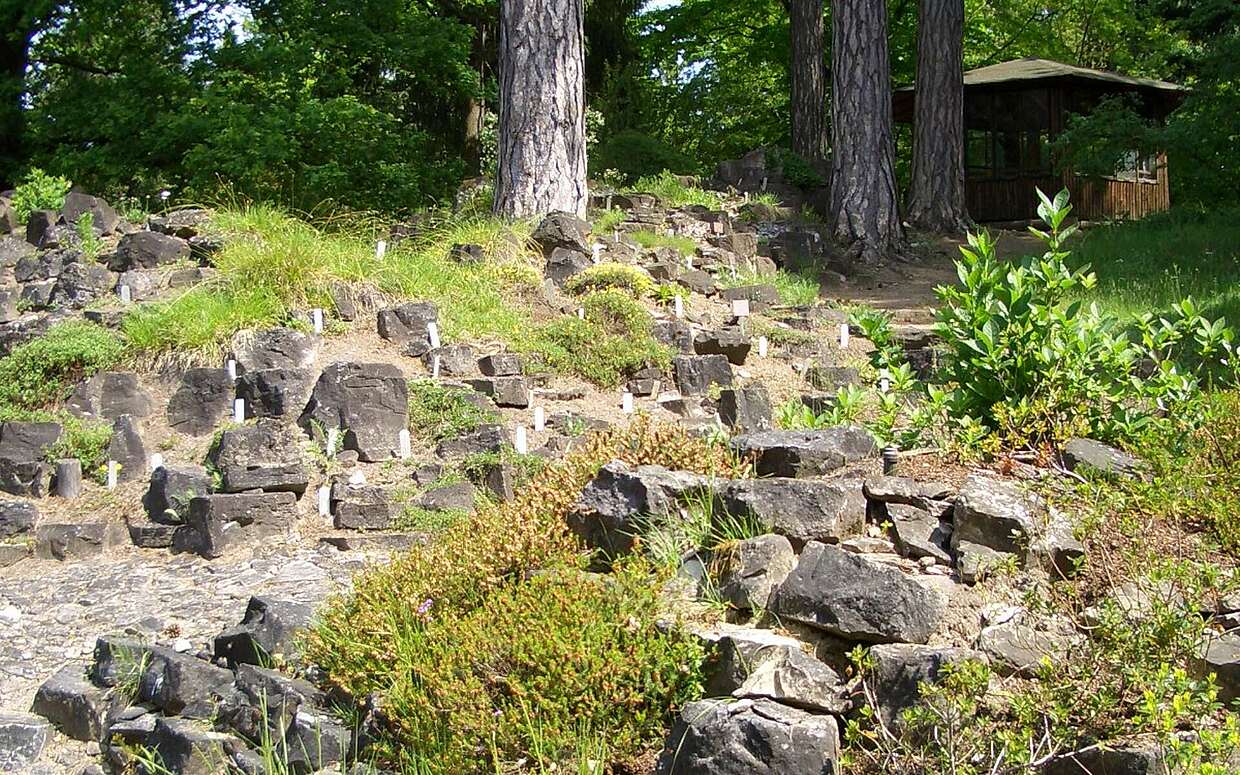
{"x": 167, "y": 499}
{"x": 730, "y": 342}
{"x": 186, "y": 748}
{"x": 746, "y": 409}
{"x": 147, "y": 250}
{"x": 369, "y": 402}
{"x": 992, "y": 515}
{"x": 281, "y": 393}
{"x": 696, "y": 374}
{"x": 264, "y": 456}
{"x": 28, "y": 441}
{"x": 178, "y": 684}
{"x": 78, "y": 708}
{"x": 361, "y": 507}
{"x": 110, "y": 394}
{"x": 202, "y": 400}
{"x": 269, "y": 628}
{"x": 104, "y": 218}
{"x": 615, "y": 505}
{"x": 127, "y": 449}
{"x": 750, "y": 737}
{"x": 276, "y": 348}
{"x": 900, "y": 670}
{"x": 805, "y": 453}
{"x": 802, "y": 510}
{"x": 563, "y": 263}
{"x": 853, "y": 598}
{"x": 561, "y": 230}
{"x": 215, "y": 523}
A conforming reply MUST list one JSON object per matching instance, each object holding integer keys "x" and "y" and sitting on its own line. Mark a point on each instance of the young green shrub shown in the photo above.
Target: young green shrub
{"x": 649, "y": 239}
{"x": 611, "y": 343}
{"x": 87, "y": 239}
{"x": 573, "y": 649}
{"x": 1030, "y": 364}
{"x": 438, "y": 412}
{"x": 607, "y": 220}
{"x": 796, "y": 289}
{"x": 42, "y": 372}
{"x": 633, "y": 279}
{"x": 39, "y": 191}
{"x": 676, "y": 191}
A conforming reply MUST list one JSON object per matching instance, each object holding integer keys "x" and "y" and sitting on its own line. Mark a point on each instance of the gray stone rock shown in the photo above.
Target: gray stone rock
{"x": 30, "y": 479}
{"x": 452, "y": 497}
{"x": 754, "y": 568}
{"x": 368, "y": 401}
{"x": 214, "y": 523}
{"x": 750, "y": 737}
{"x": 78, "y": 708}
{"x": 186, "y": 748}
{"x": 561, "y": 230}
{"x": 81, "y": 283}
{"x": 900, "y": 669}
{"x": 14, "y": 249}
{"x": 407, "y": 325}
{"x": 202, "y": 400}
{"x": 185, "y": 223}
{"x": 263, "y": 457}
{"x": 730, "y": 342}
{"x": 110, "y": 394}
{"x": 792, "y": 677}
{"x": 281, "y": 393}
{"x": 848, "y": 596}
{"x": 1018, "y": 646}
{"x": 42, "y": 266}
{"x": 167, "y": 499}
{"x": 8, "y": 304}
{"x": 269, "y": 627}
{"x": 364, "y": 507}
{"x": 675, "y": 334}
{"x": 513, "y": 392}
{"x": 735, "y": 651}
{"x": 1221, "y": 656}
{"x": 745, "y": 409}
{"x": 695, "y": 374}
{"x": 22, "y": 737}
{"x": 455, "y": 360}
{"x": 38, "y": 294}
{"x": 696, "y": 281}
{"x": 316, "y": 740}
{"x": 609, "y": 511}
{"x": 148, "y": 534}
{"x": 928, "y": 496}
{"x": 996, "y": 514}
{"x": 41, "y": 227}
{"x": 27, "y": 441}
{"x": 760, "y": 297}
{"x": 830, "y": 377}
{"x": 127, "y": 448}
{"x": 805, "y": 453}
{"x": 563, "y": 263}
{"x": 917, "y": 533}
{"x": 74, "y": 541}
{"x": 265, "y": 702}
{"x": 802, "y": 510}
{"x": 17, "y": 518}
{"x": 177, "y": 684}
{"x": 147, "y": 250}
{"x": 1088, "y": 454}
{"x": 500, "y": 365}
{"x": 276, "y": 348}
{"x": 488, "y": 438}
{"x": 1140, "y": 757}
{"x": 104, "y": 218}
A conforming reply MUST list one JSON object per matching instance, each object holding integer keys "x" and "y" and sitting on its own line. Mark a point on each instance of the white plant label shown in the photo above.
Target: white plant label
{"x": 316, "y": 316}
{"x": 520, "y": 442}
{"x": 126, "y": 294}
{"x": 432, "y": 332}
{"x": 679, "y": 306}
{"x": 688, "y": 262}
{"x": 157, "y": 461}
{"x": 581, "y": 312}
{"x": 232, "y": 369}
{"x": 740, "y": 308}
{"x": 626, "y": 403}
{"x": 763, "y": 346}
{"x": 332, "y": 435}
{"x": 884, "y": 384}
{"x": 435, "y": 367}
{"x": 843, "y": 336}
{"x": 114, "y": 470}
{"x": 615, "y": 235}
{"x": 405, "y": 444}
{"x": 380, "y": 248}
{"x": 540, "y": 419}
{"x": 239, "y": 411}
{"x": 597, "y": 249}
{"x": 325, "y": 501}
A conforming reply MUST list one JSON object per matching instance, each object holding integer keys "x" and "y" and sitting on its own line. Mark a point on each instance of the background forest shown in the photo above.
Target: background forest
{"x": 386, "y": 104}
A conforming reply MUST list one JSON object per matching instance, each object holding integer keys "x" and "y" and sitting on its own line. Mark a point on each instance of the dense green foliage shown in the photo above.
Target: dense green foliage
{"x": 39, "y": 191}
{"x": 611, "y": 342}
{"x": 438, "y": 412}
{"x": 42, "y": 372}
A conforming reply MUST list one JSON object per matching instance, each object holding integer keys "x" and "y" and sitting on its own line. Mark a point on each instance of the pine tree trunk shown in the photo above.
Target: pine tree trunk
{"x": 542, "y": 133}
{"x": 864, "y": 213}
{"x": 936, "y": 200}
{"x": 809, "y": 76}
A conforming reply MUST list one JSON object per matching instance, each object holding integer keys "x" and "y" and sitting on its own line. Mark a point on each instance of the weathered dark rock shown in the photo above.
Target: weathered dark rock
{"x": 203, "y": 399}
{"x": 607, "y": 513}
{"x": 831, "y": 378}
{"x": 760, "y": 297}
{"x": 276, "y": 348}
{"x": 918, "y": 533}
{"x": 42, "y": 266}
{"x": 696, "y": 281}
{"x": 734, "y": 651}
{"x": 147, "y": 250}
{"x": 364, "y": 507}
{"x": 38, "y": 224}
{"x": 488, "y": 438}
{"x": 1017, "y": 645}
{"x": 368, "y": 401}
{"x": 127, "y": 449}
{"x": 8, "y": 304}
{"x": 147, "y": 534}
{"x": 754, "y": 568}
{"x": 17, "y": 518}
{"x": 695, "y": 374}
{"x": 263, "y": 457}
{"x": 178, "y": 684}
{"x": 561, "y": 230}
{"x": 730, "y": 342}
{"x": 78, "y": 708}
{"x": 452, "y": 497}
{"x": 792, "y": 677}
{"x": 73, "y": 541}
{"x": 38, "y": 294}
{"x": 266, "y": 702}
{"x": 214, "y": 523}
{"x": 500, "y": 365}
{"x": 563, "y": 263}
{"x": 315, "y": 740}
{"x": 467, "y": 254}
{"x": 1140, "y": 757}
{"x": 187, "y": 749}
{"x": 104, "y": 219}
{"x": 110, "y": 394}
{"x": 802, "y": 510}
{"x": 186, "y": 223}
{"x": 996, "y": 514}
{"x": 30, "y": 479}
{"x": 22, "y": 737}
{"x": 408, "y": 324}
{"x": 269, "y": 627}
{"x": 928, "y": 496}
{"x": 853, "y": 598}
{"x": 13, "y": 249}
{"x": 167, "y": 499}
{"x": 1087, "y": 454}
{"x": 80, "y": 284}
{"x": 504, "y": 391}
{"x": 1221, "y": 656}
{"x": 750, "y": 737}
{"x": 455, "y": 360}
{"x": 27, "y": 441}
{"x": 900, "y": 669}
{"x": 281, "y": 393}
{"x": 675, "y": 334}
{"x": 805, "y": 453}
{"x": 745, "y": 409}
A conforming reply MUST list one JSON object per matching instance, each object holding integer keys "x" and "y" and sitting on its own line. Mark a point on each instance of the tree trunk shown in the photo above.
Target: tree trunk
{"x": 864, "y": 213}
{"x": 809, "y": 77}
{"x": 936, "y": 200}
{"x": 542, "y": 132}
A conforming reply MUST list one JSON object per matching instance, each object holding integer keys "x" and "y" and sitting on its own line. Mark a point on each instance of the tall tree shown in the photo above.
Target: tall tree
{"x": 808, "y": 78}
{"x": 542, "y": 131}
{"x": 864, "y": 213}
{"x": 936, "y": 200}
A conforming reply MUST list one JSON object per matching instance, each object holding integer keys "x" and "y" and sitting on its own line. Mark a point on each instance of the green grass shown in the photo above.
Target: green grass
{"x": 274, "y": 264}
{"x": 650, "y": 240}
{"x": 672, "y": 192}
{"x": 612, "y": 342}
{"x": 438, "y": 412}
{"x": 1145, "y": 266}
{"x": 607, "y": 220}
{"x": 795, "y": 289}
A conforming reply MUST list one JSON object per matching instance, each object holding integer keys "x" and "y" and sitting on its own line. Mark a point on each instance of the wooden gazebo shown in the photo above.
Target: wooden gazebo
{"x": 1012, "y": 112}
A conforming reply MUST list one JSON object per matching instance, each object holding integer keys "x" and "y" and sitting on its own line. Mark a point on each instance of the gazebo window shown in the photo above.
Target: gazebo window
{"x": 1007, "y": 134}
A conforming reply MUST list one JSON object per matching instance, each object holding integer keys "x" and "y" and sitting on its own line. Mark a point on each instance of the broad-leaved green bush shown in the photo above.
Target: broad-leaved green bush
{"x": 39, "y": 191}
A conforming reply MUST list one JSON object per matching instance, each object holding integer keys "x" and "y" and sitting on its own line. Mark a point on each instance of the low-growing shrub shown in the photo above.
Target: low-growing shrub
{"x": 39, "y": 191}
{"x": 42, "y": 372}
{"x": 612, "y": 342}
{"x": 649, "y": 239}
{"x": 632, "y": 279}
{"x": 459, "y": 692}
{"x": 676, "y": 190}
{"x": 438, "y": 412}
{"x": 796, "y": 289}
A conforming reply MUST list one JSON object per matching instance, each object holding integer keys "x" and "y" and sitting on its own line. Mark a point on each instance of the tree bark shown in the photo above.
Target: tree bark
{"x": 809, "y": 80}
{"x": 542, "y": 132}
{"x": 864, "y": 213}
{"x": 936, "y": 200}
